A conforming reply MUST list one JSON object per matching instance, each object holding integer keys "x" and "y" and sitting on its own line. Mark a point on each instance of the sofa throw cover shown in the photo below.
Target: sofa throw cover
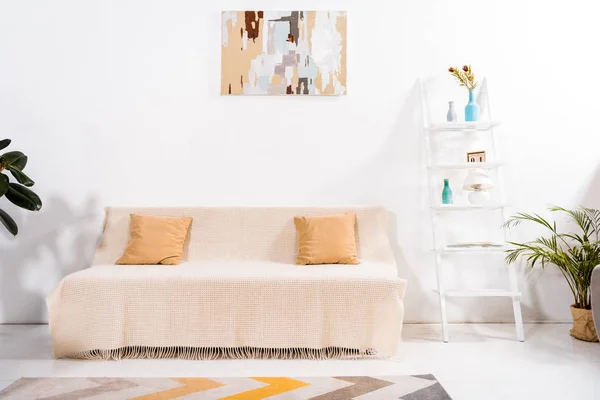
{"x": 237, "y": 292}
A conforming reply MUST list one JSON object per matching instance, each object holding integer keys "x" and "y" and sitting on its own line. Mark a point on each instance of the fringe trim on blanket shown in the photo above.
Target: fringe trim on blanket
{"x": 215, "y": 353}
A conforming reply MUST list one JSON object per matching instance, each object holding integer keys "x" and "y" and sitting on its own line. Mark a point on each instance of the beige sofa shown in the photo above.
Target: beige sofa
{"x": 236, "y": 294}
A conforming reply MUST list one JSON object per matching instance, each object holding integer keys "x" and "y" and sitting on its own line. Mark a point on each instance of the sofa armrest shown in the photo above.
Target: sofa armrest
{"x": 596, "y": 297}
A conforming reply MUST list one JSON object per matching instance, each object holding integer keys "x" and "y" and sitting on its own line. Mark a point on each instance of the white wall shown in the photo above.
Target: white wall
{"x": 117, "y": 103}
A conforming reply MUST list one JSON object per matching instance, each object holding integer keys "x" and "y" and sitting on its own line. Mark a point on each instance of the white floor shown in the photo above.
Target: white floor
{"x": 482, "y": 362}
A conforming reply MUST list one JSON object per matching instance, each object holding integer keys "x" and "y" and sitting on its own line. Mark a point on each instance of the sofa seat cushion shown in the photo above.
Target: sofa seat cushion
{"x": 244, "y": 269}
{"x": 229, "y": 305}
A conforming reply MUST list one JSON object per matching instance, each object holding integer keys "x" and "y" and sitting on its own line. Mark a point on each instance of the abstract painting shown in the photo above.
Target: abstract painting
{"x": 283, "y": 53}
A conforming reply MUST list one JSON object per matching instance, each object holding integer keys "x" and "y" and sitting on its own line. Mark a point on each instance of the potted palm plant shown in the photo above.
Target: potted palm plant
{"x": 18, "y": 192}
{"x": 575, "y": 254}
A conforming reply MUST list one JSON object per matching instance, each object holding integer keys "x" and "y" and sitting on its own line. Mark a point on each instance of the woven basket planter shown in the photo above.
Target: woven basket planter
{"x": 583, "y": 325}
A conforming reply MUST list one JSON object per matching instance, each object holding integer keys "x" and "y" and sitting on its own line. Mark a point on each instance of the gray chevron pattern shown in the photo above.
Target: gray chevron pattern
{"x": 416, "y": 387}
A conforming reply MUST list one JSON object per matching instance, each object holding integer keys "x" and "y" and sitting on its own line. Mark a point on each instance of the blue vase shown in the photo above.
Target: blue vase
{"x": 472, "y": 108}
{"x": 446, "y": 193}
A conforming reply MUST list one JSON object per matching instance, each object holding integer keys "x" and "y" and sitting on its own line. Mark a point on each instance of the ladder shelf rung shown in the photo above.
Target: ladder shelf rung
{"x": 481, "y": 293}
{"x": 463, "y": 126}
{"x": 472, "y": 250}
{"x": 468, "y": 165}
{"x": 468, "y": 207}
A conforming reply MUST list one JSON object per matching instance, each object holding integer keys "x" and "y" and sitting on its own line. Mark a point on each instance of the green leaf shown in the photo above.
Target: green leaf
{"x": 3, "y": 184}
{"x": 575, "y": 254}
{"x": 21, "y": 177}
{"x": 8, "y": 222}
{"x": 15, "y": 159}
{"x": 23, "y": 197}
{"x": 4, "y": 143}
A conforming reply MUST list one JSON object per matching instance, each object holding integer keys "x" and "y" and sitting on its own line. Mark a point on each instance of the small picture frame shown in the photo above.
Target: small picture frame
{"x": 476, "y": 156}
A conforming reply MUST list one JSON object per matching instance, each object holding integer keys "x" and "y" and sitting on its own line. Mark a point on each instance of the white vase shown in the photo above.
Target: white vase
{"x": 479, "y": 197}
{"x": 451, "y": 115}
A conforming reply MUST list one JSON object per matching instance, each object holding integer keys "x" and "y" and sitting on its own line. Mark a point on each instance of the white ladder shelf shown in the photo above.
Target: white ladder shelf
{"x": 437, "y": 208}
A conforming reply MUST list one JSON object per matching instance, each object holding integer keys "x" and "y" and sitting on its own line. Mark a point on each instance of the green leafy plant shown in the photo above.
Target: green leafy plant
{"x": 575, "y": 254}
{"x": 464, "y": 76}
{"x": 17, "y": 193}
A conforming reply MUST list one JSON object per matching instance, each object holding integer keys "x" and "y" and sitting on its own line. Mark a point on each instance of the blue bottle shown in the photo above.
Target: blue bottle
{"x": 472, "y": 108}
{"x": 446, "y": 193}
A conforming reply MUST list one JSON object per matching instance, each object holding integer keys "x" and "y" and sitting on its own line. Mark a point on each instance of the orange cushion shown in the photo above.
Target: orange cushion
{"x": 155, "y": 240}
{"x": 326, "y": 240}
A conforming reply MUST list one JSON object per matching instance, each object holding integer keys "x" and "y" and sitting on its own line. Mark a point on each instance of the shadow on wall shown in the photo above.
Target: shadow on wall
{"x": 550, "y": 279}
{"x": 396, "y": 178}
{"x": 51, "y": 244}
{"x": 592, "y": 197}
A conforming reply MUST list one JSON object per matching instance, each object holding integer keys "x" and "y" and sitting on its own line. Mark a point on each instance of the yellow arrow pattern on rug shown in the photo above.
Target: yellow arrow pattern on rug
{"x": 276, "y": 386}
{"x": 191, "y": 385}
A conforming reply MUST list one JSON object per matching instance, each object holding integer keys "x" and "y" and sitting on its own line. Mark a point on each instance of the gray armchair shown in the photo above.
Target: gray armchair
{"x": 596, "y": 297}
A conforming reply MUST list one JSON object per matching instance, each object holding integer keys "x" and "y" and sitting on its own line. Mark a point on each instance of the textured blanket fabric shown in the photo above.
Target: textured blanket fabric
{"x": 237, "y": 293}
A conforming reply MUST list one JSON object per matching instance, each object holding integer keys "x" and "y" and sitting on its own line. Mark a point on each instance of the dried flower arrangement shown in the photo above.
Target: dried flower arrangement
{"x": 464, "y": 76}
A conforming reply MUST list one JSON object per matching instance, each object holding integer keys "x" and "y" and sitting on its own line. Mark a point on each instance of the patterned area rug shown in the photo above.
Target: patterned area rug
{"x": 416, "y": 387}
